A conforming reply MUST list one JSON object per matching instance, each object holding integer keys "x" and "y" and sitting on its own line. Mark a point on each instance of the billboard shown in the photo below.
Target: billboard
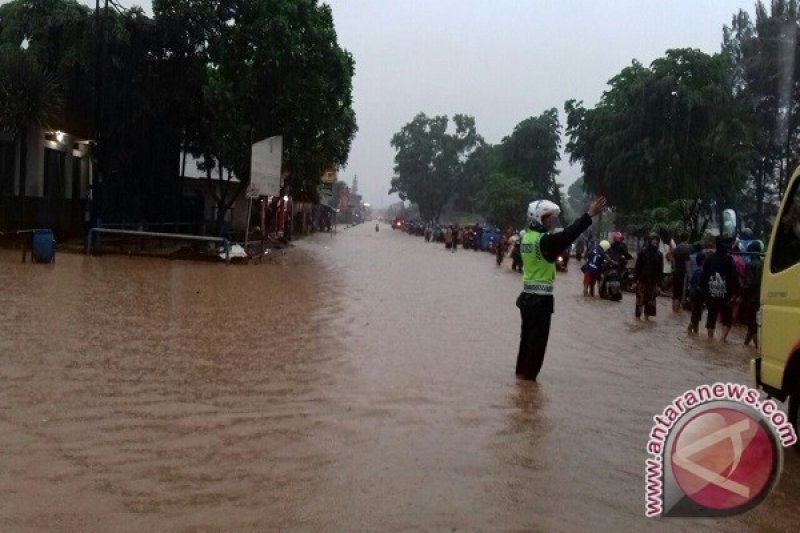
{"x": 265, "y": 167}
{"x": 328, "y": 177}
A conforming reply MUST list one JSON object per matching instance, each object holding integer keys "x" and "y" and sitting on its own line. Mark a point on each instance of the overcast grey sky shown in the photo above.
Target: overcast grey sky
{"x": 498, "y": 60}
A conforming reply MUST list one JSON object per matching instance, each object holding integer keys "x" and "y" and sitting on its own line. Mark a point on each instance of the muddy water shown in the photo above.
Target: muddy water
{"x": 360, "y": 383}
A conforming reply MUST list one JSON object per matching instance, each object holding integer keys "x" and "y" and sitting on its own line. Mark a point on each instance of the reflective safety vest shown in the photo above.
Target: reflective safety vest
{"x": 538, "y": 274}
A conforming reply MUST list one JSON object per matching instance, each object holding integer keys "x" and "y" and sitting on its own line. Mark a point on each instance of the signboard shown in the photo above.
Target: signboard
{"x": 265, "y": 167}
{"x": 325, "y": 190}
{"x": 328, "y": 177}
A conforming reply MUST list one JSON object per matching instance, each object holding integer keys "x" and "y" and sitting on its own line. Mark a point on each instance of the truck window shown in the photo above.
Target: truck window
{"x": 786, "y": 250}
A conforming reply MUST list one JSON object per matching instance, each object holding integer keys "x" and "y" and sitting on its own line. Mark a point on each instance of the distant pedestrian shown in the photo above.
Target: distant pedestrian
{"x": 448, "y": 238}
{"x": 580, "y": 246}
{"x": 516, "y": 256}
{"x": 720, "y": 287}
{"x": 739, "y": 263}
{"x": 648, "y": 272}
{"x": 680, "y": 271}
{"x": 695, "y": 290}
{"x": 666, "y": 246}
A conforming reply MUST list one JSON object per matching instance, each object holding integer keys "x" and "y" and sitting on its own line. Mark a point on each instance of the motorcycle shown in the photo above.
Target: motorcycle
{"x": 561, "y": 264}
{"x": 610, "y": 282}
{"x": 628, "y": 280}
{"x": 467, "y": 239}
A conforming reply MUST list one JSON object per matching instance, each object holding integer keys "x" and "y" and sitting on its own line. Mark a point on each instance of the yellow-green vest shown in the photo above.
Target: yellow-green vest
{"x": 538, "y": 274}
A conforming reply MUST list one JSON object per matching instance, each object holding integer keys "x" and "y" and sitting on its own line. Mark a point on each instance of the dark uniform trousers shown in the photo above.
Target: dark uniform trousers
{"x": 536, "y": 311}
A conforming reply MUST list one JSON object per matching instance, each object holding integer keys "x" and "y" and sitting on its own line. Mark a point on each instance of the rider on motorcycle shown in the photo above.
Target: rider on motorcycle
{"x": 593, "y": 267}
{"x": 619, "y": 251}
{"x": 619, "y": 256}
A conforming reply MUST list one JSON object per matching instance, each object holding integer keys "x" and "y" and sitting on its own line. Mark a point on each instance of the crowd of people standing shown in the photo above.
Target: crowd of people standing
{"x": 721, "y": 277}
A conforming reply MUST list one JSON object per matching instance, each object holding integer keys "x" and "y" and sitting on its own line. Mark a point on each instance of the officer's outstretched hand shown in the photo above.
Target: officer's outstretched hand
{"x": 596, "y": 206}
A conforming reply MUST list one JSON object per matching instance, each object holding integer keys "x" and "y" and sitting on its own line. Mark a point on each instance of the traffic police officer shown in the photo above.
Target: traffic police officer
{"x": 539, "y": 250}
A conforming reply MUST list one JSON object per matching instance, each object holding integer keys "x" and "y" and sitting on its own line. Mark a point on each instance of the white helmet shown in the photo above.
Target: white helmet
{"x": 539, "y": 208}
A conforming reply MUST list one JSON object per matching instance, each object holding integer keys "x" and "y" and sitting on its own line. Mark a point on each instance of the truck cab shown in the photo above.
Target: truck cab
{"x": 776, "y": 370}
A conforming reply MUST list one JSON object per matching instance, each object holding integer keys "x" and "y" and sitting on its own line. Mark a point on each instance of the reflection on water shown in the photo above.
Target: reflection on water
{"x": 361, "y": 382}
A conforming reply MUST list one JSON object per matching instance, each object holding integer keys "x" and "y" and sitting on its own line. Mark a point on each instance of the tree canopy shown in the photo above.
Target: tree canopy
{"x": 670, "y": 131}
{"x": 430, "y": 160}
{"x": 211, "y": 76}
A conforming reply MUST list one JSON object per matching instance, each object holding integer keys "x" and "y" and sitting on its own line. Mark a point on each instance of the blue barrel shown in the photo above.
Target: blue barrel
{"x": 43, "y": 246}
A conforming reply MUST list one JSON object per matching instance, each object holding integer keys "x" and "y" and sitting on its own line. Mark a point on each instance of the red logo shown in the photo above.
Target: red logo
{"x": 723, "y": 459}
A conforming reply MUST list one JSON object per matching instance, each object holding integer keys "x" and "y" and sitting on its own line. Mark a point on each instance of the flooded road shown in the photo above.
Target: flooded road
{"x": 363, "y": 382}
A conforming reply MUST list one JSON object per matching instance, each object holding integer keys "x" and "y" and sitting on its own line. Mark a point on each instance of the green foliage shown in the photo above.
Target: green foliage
{"x": 430, "y": 161}
{"x": 532, "y": 152}
{"x": 29, "y": 96}
{"x": 522, "y": 168}
{"x": 672, "y": 130}
{"x": 273, "y": 67}
{"x": 477, "y": 167}
{"x": 505, "y": 199}
{"x": 765, "y": 53}
{"x": 577, "y": 199}
{"x": 213, "y": 76}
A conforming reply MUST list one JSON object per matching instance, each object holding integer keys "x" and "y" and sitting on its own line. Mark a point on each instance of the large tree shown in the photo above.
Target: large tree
{"x": 766, "y": 78}
{"x": 430, "y": 160}
{"x": 505, "y": 198}
{"x": 270, "y": 68}
{"x": 143, "y": 88}
{"x": 532, "y": 152}
{"x": 577, "y": 199}
{"x": 659, "y": 134}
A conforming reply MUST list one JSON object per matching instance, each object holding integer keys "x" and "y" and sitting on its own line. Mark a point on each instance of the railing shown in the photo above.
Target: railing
{"x": 146, "y": 226}
{"x": 157, "y": 235}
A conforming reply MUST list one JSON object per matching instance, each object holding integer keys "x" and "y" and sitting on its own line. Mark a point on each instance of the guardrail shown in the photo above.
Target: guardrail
{"x": 158, "y": 235}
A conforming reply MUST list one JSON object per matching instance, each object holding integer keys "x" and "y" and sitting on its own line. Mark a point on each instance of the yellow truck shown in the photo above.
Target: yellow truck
{"x": 776, "y": 370}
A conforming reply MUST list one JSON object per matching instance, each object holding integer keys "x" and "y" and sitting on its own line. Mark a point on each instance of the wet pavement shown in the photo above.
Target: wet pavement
{"x": 363, "y": 382}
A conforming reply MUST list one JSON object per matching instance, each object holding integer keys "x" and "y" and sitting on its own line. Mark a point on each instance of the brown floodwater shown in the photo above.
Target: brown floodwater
{"x": 363, "y": 382}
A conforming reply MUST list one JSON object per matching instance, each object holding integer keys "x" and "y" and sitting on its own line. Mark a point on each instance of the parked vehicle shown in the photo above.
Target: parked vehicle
{"x": 561, "y": 263}
{"x": 628, "y": 280}
{"x": 776, "y": 369}
{"x": 610, "y": 281}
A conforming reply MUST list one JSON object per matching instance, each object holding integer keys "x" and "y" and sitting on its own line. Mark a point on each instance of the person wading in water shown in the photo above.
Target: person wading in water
{"x": 539, "y": 250}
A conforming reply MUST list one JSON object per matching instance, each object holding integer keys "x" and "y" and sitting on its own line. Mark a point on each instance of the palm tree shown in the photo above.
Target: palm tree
{"x": 29, "y": 97}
